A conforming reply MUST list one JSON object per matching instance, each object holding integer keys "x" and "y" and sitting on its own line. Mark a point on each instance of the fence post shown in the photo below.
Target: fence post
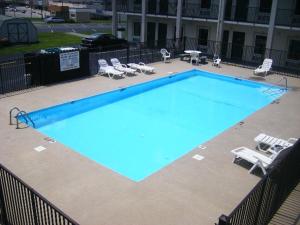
{"x": 128, "y": 54}
{"x": 140, "y": 48}
{"x": 33, "y": 208}
{"x": 223, "y": 220}
{"x": 259, "y": 205}
{"x": 184, "y": 40}
{"x": 3, "y": 216}
{"x": 1, "y": 80}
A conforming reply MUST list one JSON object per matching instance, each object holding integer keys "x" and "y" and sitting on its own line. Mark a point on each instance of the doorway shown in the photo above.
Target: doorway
{"x": 241, "y": 11}
{"x": 152, "y": 6}
{"x": 150, "y": 34}
{"x": 224, "y": 45}
{"x": 163, "y": 7}
{"x": 228, "y": 10}
{"x": 238, "y": 40}
{"x": 162, "y": 35}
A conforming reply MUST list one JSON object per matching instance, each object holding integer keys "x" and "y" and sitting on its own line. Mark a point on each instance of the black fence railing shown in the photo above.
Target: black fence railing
{"x": 127, "y": 6}
{"x": 287, "y": 17}
{"x": 34, "y": 70}
{"x": 245, "y": 55}
{"x": 20, "y": 204}
{"x": 247, "y": 14}
{"x": 169, "y": 9}
{"x": 197, "y": 11}
{"x": 263, "y": 201}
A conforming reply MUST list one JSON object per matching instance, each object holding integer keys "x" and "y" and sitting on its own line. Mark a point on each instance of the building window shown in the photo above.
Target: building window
{"x": 202, "y": 38}
{"x": 265, "y": 6}
{"x": 205, "y": 4}
{"x": 297, "y": 9}
{"x": 136, "y": 29}
{"x": 294, "y": 50}
{"x": 260, "y": 44}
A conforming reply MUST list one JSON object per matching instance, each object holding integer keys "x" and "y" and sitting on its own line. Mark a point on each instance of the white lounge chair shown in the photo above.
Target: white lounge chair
{"x": 121, "y": 67}
{"x": 271, "y": 144}
{"x": 264, "y": 68}
{"x": 165, "y": 54}
{"x": 216, "y": 62}
{"x": 104, "y": 68}
{"x": 142, "y": 67}
{"x": 254, "y": 157}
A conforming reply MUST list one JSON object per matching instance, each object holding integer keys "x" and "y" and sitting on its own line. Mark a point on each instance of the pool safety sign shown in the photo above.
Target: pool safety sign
{"x": 69, "y": 60}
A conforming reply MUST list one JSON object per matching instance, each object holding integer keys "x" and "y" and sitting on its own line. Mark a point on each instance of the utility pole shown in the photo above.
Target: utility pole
{"x": 42, "y": 7}
{"x": 31, "y": 4}
{"x": 2, "y": 7}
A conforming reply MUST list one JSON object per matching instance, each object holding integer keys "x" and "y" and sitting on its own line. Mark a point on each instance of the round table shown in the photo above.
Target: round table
{"x": 192, "y": 51}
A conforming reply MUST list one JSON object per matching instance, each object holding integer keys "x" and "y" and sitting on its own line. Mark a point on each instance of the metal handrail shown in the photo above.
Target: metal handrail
{"x": 286, "y": 85}
{"x": 26, "y": 117}
{"x": 10, "y": 114}
{"x": 286, "y": 82}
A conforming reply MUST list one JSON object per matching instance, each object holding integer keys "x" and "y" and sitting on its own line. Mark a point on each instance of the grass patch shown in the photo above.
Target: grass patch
{"x": 46, "y": 40}
{"x": 35, "y": 19}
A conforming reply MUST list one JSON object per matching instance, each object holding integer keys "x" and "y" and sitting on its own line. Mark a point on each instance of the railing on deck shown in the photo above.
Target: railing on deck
{"x": 34, "y": 70}
{"x": 263, "y": 201}
{"x": 287, "y": 17}
{"x": 195, "y": 11}
{"x": 247, "y": 14}
{"x": 20, "y": 204}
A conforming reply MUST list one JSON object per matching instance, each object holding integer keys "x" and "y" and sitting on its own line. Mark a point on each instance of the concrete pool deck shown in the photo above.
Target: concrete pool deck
{"x": 187, "y": 191}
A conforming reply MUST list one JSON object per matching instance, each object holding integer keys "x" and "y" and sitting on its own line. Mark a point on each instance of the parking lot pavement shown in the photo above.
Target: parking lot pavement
{"x": 21, "y": 11}
{"x": 72, "y": 27}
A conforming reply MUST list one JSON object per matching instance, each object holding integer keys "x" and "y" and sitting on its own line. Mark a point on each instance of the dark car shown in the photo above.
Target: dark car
{"x": 104, "y": 41}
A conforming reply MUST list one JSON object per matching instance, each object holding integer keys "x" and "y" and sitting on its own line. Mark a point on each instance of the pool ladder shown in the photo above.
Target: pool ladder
{"x": 20, "y": 113}
{"x": 270, "y": 91}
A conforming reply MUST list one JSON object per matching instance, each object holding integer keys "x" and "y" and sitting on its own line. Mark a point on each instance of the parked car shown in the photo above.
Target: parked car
{"x": 104, "y": 41}
{"x": 54, "y": 20}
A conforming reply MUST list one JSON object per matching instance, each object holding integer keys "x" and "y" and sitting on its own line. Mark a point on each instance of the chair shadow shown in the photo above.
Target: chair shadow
{"x": 256, "y": 172}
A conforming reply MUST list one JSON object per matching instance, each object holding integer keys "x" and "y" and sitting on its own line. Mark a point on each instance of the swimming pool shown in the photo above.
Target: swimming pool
{"x": 138, "y": 130}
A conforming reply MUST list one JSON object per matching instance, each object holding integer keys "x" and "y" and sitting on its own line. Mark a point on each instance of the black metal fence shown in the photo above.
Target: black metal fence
{"x": 20, "y": 204}
{"x": 195, "y": 10}
{"x": 33, "y": 70}
{"x": 260, "y": 205}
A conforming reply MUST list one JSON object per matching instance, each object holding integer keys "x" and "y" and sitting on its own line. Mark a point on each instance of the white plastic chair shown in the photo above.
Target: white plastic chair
{"x": 216, "y": 62}
{"x": 121, "y": 67}
{"x": 104, "y": 68}
{"x": 142, "y": 67}
{"x": 195, "y": 57}
{"x": 254, "y": 157}
{"x": 165, "y": 54}
{"x": 264, "y": 68}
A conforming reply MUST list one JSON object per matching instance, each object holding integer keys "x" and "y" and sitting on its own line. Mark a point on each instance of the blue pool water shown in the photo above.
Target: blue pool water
{"x": 138, "y": 130}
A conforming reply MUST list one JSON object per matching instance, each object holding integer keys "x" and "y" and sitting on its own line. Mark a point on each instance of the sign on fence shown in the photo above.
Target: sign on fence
{"x": 69, "y": 60}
